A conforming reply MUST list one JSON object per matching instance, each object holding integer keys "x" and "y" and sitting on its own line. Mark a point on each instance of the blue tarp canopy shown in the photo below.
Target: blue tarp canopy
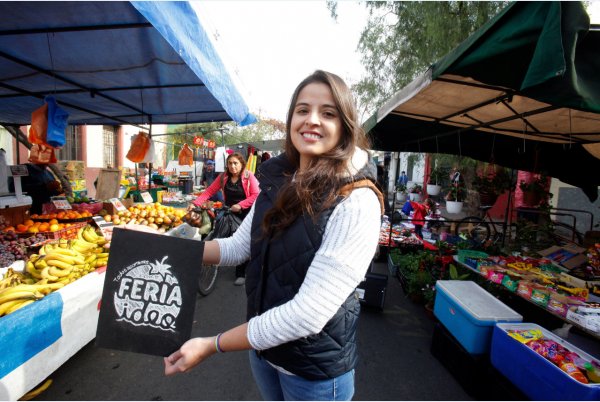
{"x": 113, "y": 63}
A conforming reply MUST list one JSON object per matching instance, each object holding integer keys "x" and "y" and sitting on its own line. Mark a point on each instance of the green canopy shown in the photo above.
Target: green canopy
{"x": 523, "y": 91}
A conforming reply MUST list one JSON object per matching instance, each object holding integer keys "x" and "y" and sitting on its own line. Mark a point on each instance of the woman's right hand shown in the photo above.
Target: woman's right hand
{"x": 191, "y": 353}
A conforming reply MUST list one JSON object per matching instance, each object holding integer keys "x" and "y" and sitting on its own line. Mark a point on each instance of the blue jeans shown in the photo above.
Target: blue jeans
{"x": 277, "y": 386}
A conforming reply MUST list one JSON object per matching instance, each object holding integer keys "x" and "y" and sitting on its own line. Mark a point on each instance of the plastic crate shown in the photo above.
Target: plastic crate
{"x": 535, "y": 376}
{"x": 469, "y": 312}
{"x": 65, "y": 233}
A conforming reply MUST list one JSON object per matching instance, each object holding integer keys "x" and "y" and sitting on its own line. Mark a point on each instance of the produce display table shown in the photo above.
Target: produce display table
{"x": 530, "y": 302}
{"x": 39, "y": 338}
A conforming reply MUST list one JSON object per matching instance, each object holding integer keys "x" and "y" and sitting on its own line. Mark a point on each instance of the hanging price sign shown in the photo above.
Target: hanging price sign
{"x": 60, "y": 202}
{"x": 117, "y": 204}
{"x": 211, "y": 144}
{"x": 198, "y": 141}
{"x": 147, "y": 197}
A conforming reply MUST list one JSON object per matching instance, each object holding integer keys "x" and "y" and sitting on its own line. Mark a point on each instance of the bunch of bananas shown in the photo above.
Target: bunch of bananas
{"x": 88, "y": 234}
{"x": 14, "y": 278}
{"x": 18, "y": 296}
{"x": 56, "y": 265}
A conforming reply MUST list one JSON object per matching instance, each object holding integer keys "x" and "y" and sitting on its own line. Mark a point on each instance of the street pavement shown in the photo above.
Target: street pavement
{"x": 394, "y": 358}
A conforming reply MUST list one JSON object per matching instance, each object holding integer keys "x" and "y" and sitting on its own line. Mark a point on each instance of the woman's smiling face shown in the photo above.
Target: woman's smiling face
{"x": 316, "y": 127}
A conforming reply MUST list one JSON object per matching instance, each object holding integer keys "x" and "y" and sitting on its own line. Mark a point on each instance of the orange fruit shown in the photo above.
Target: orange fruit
{"x": 54, "y": 227}
{"x": 43, "y": 227}
{"x": 21, "y": 228}
{"x": 53, "y": 221}
{"x": 33, "y": 229}
{"x": 28, "y": 222}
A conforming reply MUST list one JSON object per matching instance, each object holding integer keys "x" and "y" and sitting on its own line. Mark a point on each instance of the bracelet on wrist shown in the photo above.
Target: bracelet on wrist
{"x": 218, "y": 344}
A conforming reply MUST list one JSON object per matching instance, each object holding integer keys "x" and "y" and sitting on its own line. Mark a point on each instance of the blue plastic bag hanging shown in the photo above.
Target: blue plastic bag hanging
{"x": 57, "y": 123}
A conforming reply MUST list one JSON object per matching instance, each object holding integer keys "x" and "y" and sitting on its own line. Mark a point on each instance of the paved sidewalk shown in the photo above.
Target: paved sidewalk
{"x": 395, "y": 361}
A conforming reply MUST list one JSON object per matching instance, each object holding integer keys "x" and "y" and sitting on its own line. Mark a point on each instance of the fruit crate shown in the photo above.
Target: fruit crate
{"x": 65, "y": 233}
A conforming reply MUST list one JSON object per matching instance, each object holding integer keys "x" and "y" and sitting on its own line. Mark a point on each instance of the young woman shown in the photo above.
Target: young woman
{"x": 310, "y": 238}
{"x": 240, "y": 189}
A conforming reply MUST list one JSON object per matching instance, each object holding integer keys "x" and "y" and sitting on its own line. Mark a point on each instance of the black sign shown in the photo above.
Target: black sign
{"x": 149, "y": 292}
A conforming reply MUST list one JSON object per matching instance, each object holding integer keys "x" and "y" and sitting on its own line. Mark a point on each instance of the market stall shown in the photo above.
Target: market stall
{"x": 520, "y": 90}
{"x": 164, "y": 71}
{"x": 519, "y": 93}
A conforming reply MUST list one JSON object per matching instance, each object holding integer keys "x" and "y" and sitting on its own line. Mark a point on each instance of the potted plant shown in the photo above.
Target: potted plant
{"x": 435, "y": 179}
{"x": 491, "y": 183}
{"x": 535, "y": 191}
{"x": 401, "y": 193}
{"x": 455, "y": 197}
{"x": 415, "y": 192}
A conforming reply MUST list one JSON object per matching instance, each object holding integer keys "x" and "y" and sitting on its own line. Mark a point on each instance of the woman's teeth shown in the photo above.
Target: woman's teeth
{"x": 311, "y": 136}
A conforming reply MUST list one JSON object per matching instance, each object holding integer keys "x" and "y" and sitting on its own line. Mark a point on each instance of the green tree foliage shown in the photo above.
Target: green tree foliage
{"x": 223, "y": 133}
{"x": 403, "y": 38}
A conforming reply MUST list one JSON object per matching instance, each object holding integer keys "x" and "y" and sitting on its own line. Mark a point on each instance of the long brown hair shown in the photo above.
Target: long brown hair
{"x": 315, "y": 189}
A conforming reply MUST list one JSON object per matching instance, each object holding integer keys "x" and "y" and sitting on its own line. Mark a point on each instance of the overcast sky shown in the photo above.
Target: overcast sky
{"x": 270, "y": 46}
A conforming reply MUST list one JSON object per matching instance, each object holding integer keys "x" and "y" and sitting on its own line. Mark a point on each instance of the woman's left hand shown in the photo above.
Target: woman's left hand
{"x": 191, "y": 353}
{"x": 236, "y": 208}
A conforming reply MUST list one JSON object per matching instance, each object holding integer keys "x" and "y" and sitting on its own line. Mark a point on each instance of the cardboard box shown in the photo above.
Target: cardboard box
{"x": 535, "y": 376}
{"x": 74, "y": 170}
{"x": 110, "y": 208}
{"x": 568, "y": 257}
{"x": 469, "y": 312}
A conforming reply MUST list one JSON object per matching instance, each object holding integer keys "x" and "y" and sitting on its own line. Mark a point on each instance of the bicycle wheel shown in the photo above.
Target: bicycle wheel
{"x": 207, "y": 279}
{"x": 473, "y": 228}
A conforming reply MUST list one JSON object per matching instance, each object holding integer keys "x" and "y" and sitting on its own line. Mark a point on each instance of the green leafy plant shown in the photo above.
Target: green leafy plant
{"x": 493, "y": 182}
{"x": 401, "y": 188}
{"x": 437, "y": 175}
{"x": 416, "y": 189}
{"x": 454, "y": 275}
{"x": 456, "y": 192}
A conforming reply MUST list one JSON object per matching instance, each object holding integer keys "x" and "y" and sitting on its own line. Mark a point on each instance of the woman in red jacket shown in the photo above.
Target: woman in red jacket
{"x": 240, "y": 189}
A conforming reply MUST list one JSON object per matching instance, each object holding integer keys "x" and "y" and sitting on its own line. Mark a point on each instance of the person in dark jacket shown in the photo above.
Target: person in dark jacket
{"x": 40, "y": 185}
{"x": 310, "y": 237}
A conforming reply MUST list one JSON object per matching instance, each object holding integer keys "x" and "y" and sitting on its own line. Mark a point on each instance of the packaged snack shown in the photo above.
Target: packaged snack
{"x": 526, "y": 335}
{"x": 510, "y": 283}
{"x": 524, "y": 289}
{"x": 540, "y": 295}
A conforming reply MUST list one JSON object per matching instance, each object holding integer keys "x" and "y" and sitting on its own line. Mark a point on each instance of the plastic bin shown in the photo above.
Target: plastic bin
{"x": 470, "y": 313}
{"x": 535, "y": 376}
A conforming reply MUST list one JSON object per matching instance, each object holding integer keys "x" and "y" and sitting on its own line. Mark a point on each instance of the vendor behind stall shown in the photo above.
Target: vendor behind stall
{"x": 40, "y": 185}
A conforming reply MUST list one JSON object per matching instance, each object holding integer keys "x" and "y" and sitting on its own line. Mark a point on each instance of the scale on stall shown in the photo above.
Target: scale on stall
{"x": 14, "y": 207}
{"x": 16, "y": 199}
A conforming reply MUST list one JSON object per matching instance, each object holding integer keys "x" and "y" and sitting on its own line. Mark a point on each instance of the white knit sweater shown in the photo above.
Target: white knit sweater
{"x": 340, "y": 264}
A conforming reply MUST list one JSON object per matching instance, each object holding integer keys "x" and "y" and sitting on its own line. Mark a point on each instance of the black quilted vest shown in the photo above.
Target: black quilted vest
{"x": 277, "y": 269}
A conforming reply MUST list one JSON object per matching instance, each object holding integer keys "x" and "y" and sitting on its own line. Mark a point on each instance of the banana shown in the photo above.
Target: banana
{"x": 102, "y": 255}
{"x": 55, "y": 271}
{"x": 40, "y": 264}
{"x": 46, "y": 275}
{"x": 100, "y": 262}
{"x": 34, "y": 257}
{"x": 32, "y": 394}
{"x": 65, "y": 259}
{"x": 82, "y": 245}
{"x": 90, "y": 258}
{"x": 66, "y": 252}
{"x": 7, "y": 305}
{"x": 87, "y": 236}
{"x": 9, "y": 294}
{"x": 18, "y": 306}
{"x": 60, "y": 264}
{"x": 30, "y": 268}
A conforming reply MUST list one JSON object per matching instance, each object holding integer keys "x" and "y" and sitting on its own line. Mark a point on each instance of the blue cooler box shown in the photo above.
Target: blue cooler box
{"x": 536, "y": 377}
{"x": 470, "y": 313}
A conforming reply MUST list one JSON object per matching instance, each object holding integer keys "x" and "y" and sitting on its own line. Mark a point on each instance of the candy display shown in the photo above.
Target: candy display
{"x": 570, "y": 362}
